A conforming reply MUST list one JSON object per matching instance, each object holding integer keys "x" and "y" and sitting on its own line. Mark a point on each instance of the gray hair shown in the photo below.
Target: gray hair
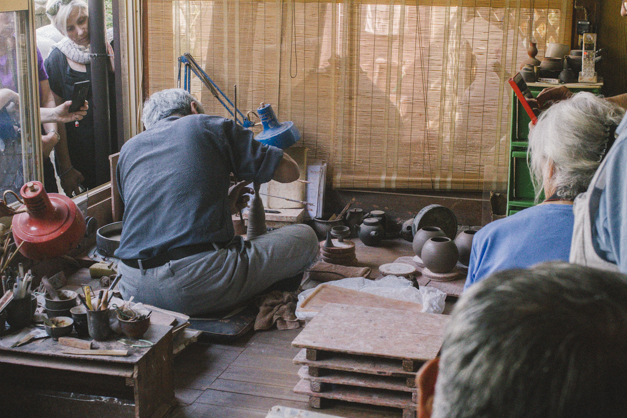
{"x": 548, "y": 342}
{"x": 63, "y": 9}
{"x": 573, "y": 136}
{"x": 166, "y": 103}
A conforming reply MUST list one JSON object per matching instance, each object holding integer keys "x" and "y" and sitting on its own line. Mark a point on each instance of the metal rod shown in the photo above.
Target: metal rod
{"x": 100, "y": 89}
{"x": 287, "y": 198}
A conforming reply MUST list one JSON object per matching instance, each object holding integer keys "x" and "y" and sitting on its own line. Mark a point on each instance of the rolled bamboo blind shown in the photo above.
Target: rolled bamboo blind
{"x": 394, "y": 94}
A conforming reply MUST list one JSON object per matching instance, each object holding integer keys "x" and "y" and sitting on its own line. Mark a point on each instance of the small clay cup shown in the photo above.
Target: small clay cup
{"x": 98, "y": 324}
{"x": 440, "y": 255}
{"x": 423, "y": 235}
{"x": 63, "y": 327}
{"x": 371, "y": 232}
{"x": 79, "y": 315}
{"x": 407, "y": 231}
{"x": 464, "y": 245}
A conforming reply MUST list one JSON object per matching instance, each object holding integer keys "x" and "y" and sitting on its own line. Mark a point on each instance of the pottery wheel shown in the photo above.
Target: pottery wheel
{"x": 441, "y": 277}
{"x": 397, "y": 269}
{"x": 339, "y": 247}
{"x": 436, "y": 215}
{"x": 342, "y": 253}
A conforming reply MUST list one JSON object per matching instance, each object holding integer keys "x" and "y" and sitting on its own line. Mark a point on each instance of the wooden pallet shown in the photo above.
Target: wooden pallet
{"x": 411, "y": 338}
{"x": 369, "y": 396}
{"x": 377, "y": 366}
{"x": 335, "y": 377}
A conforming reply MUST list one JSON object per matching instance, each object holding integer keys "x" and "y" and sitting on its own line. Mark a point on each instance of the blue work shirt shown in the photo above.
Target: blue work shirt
{"x": 534, "y": 235}
{"x": 174, "y": 180}
{"x": 609, "y": 224}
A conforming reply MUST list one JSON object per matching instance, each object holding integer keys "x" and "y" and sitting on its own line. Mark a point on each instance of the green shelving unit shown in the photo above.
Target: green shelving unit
{"x": 520, "y": 193}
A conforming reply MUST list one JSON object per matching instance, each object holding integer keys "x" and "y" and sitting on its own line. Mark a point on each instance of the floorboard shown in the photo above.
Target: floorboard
{"x": 247, "y": 377}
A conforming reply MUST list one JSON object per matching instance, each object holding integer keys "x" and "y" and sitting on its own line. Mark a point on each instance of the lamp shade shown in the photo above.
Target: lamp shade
{"x": 281, "y": 135}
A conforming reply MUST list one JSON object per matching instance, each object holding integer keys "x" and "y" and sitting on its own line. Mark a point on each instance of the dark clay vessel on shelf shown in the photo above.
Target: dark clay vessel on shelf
{"x": 440, "y": 255}
{"x": 423, "y": 235}
{"x": 464, "y": 245}
{"x": 371, "y": 232}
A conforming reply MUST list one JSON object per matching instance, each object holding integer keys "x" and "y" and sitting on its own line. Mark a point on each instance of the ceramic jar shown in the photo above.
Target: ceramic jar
{"x": 423, "y": 235}
{"x": 371, "y": 232}
{"x": 381, "y": 216}
{"x": 464, "y": 245}
{"x": 354, "y": 217}
{"x": 406, "y": 230}
{"x": 440, "y": 255}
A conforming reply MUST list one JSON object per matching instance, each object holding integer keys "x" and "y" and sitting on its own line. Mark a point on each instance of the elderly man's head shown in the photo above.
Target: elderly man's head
{"x": 167, "y": 103}
{"x": 568, "y": 142}
{"x": 548, "y": 342}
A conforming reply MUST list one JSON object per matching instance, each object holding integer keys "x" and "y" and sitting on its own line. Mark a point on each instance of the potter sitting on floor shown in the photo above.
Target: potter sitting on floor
{"x": 548, "y": 342}
{"x": 565, "y": 147}
{"x": 178, "y": 247}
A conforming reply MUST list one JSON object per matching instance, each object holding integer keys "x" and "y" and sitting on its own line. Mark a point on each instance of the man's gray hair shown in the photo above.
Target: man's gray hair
{"x": 573, "y": 135}
{"x": 166, "y": 103}
{"x": 548, "y": 342}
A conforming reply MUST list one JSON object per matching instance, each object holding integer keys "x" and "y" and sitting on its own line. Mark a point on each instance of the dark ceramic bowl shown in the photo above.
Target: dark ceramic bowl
{"x": 63, "y": 327}
{"x": 322, "y": 226}
{"x": 55, "y": 313}
{"x": 134, "y": 329}
{"x": 108, "y": 238}
{"x": 551, "y": 64}
{"x": 67, "y": 300}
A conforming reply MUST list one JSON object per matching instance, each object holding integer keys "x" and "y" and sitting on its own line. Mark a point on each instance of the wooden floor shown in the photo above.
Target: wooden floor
{"x": 248, "y": 377}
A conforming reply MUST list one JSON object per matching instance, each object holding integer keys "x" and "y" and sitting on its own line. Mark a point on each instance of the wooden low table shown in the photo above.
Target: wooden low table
{"x": 39, "y": 380}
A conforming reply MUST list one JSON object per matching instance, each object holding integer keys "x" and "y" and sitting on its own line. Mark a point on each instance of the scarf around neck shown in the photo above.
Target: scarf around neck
{"x": 73, "y": 51}
{"x": 76, "y": 52}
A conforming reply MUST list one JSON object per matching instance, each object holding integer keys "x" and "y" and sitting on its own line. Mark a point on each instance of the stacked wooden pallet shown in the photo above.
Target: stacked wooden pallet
{"x": 366, "y": 355}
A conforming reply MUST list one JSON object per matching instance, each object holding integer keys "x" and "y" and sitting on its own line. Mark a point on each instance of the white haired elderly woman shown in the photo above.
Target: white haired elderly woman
{"x": 565, "y": 147}
{"x": 67, "y": 64}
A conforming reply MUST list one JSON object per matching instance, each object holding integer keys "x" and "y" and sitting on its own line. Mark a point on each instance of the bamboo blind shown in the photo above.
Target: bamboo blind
{"x": 394, "y": 94}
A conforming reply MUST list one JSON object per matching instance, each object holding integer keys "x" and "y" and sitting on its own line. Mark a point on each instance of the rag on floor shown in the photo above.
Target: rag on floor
{"x": 278, "y": 308}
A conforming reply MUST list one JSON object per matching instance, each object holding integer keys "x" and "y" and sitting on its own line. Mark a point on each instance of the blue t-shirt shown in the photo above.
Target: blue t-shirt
{"x": 609, "y": 224}
{"x": 534, "y": 235}
{"x": 174, "y": 182}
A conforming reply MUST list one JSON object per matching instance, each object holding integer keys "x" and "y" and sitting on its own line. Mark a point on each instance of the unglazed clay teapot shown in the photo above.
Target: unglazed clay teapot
{"x": 371, "y": 232}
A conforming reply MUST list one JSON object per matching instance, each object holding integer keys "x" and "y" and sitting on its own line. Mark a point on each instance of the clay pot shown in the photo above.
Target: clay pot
{"x": 551, "y": 67}
{"x": 256, "y": 216}
{"x": 371, "y": 232}
{"x": 528, "y": 74}
{"x": 464, "y": 245}
{"x": 381, "y": 216}
{"x": 407, "y": 231}
{"x": 532, "y": 51}
{"x": 440, "y": 254}
{"x": 423, "y": 235}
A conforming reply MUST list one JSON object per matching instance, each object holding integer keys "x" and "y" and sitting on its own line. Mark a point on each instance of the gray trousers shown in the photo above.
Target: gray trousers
{"x": 217, "y": 280}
